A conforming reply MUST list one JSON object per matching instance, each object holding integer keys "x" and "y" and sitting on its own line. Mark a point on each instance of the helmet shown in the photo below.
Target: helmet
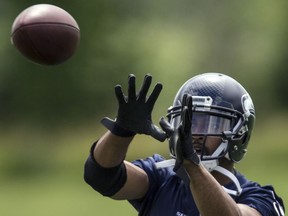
{"x": 222, "y": 109}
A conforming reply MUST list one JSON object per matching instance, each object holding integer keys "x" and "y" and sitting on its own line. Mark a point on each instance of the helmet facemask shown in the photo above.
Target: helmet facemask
{"x": 213, "y": 127}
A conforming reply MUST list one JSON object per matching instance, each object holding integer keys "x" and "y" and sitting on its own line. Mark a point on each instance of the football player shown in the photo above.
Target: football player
{"x": 208, "y": 129}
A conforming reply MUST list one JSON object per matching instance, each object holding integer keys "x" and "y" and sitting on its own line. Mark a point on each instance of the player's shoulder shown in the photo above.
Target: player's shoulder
{"x": 263, "y": 198}
{"x": 250, "y": 186}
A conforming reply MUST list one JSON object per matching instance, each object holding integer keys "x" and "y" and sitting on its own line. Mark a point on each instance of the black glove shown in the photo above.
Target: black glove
{"x": 182, "y": 136}
{"x": 185, "y": 132}
{"x": 134, "y": 111}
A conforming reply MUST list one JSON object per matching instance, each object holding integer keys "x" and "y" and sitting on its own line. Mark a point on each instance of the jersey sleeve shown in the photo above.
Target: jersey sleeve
{"x": 156, "y": 178}
{"x": 263, "y": 199}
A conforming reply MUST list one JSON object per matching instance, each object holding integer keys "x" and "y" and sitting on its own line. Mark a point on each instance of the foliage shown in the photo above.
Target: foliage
{"x": 172, "y": 41}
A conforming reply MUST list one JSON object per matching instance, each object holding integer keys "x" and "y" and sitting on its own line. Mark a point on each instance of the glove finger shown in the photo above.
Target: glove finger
{"x": 119, "y": 94}
{"x": 189, "y": 113}
{"x": 157, "y": 133}
{"x": 166, "y": 126}
{"x": 179, "y": 148}
{"x": 184, "y": 101}
{"x": 145, "y": 87}
{"x": 131, "y": 88}
{"x": 188, "y": 107}
{"x": 108, "y": 123}
{"x": 189, "y": 103}
{"x": 186, "y": 121}
{"x": 116, "y": 129}
{"x": 154, "y": 95}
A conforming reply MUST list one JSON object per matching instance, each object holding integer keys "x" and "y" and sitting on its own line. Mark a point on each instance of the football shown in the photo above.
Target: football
{"x": 45, "y": 34}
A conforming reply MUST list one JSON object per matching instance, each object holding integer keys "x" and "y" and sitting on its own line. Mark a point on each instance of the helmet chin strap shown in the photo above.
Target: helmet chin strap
{"x": 232, "y": 177}
{"x": 213, "y": 165}
{"x": 210, "y": 163}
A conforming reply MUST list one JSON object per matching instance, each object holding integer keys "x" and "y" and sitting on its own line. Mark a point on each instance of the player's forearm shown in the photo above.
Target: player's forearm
{"x": 111, "y": 150}
{"x": 209, "y": 195}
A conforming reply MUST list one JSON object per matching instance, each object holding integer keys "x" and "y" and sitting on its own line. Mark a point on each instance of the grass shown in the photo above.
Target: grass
{"x": 41, "y": 174}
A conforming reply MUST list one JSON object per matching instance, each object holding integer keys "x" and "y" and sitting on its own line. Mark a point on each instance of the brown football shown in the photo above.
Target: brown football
{"x": 45, "y": 34}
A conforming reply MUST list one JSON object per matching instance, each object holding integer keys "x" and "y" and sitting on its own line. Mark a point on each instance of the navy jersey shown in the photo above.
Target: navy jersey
{"x": 168, "y": 195}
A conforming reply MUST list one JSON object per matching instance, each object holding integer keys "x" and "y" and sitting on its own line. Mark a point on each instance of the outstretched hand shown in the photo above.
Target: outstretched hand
{"x": 185, "y": 131}
{"x": 134, "y": 110}
{"x": 181, "y": 138}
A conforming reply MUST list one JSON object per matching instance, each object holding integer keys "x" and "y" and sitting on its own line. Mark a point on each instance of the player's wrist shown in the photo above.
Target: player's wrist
{"x": 122, "y": 132}
{"x": 192, "y": 159}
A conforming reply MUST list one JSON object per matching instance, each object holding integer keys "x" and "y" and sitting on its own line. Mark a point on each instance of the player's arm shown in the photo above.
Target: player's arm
{"x": 210, "y": 197}
{"x": 106, "y": 169}
{"x": 125, "y": 182}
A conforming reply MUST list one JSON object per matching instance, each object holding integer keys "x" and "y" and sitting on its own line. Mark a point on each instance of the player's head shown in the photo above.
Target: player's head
{"x": 223, "y": 116}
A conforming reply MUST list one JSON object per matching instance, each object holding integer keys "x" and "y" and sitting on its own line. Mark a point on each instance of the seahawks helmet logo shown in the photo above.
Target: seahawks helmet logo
{"x": 247, "y": 105}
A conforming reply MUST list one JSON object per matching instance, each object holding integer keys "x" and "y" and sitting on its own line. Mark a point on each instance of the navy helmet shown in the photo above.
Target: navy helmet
{"x": 222, "y": 109}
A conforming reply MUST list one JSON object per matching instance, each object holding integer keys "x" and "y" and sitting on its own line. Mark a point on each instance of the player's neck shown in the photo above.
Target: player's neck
{"x": 222, "y": 179}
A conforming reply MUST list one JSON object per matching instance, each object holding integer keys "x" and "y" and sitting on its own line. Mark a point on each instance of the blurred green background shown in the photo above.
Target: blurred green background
{"x": 49, "y": 115}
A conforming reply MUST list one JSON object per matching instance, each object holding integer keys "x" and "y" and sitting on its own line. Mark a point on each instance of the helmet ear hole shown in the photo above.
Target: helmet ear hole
{"x": 238, "y": 148}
